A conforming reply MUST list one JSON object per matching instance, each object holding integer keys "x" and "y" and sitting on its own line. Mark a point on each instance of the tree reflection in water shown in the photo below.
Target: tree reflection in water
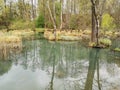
{"x": 53, "y": 67}
{"x": 5, "y": 67}
{"x": 93, "y": 63}
{"x": 76, "y": 66}
{"x": 65, "y": 62}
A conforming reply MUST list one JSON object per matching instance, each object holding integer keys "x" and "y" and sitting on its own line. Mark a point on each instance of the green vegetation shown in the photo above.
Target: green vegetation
{"x": 117, "y": 49}
{"x": 105, "y": 41}
{"x": 69, "y": 22}
{"x": 5, "y": 67}
{"x": 108, "y": 22}
{"x": 40, "y": 22}
{"x": 40, "y": 30}
{"x": 21, "y": 24}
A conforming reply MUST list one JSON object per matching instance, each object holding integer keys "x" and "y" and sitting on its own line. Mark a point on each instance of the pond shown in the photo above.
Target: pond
{"x": 44, "y": 65}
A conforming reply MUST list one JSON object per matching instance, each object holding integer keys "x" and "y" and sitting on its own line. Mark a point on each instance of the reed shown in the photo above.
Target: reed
{"x": 9, "y": 43}
{"x": 12, "y": 41}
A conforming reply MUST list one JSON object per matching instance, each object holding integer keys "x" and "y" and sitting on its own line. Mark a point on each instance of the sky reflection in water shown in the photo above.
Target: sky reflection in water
{"x": 76, "y": 68}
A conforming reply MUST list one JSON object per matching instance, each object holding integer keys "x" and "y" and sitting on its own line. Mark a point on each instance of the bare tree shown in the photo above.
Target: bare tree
{"x": 33, "y": 15}
{"x": 61, "y": 13}
{"x": 52, "y": 17}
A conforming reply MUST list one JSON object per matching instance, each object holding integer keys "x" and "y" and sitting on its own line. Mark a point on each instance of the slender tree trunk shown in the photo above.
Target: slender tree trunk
{"x": 24, "y": 10}
{"x": 61, "y": 13}
{"x": 5, "y": 3}
{"x": 11, "y": 14}
{"x": 20, "y": 6}
{"x": 6, "y": 16}
{"x": 101, "y": 12}
{"x": 52, "y": 18}
{"x": 74, "y": 6}
{"x": 68, "y": 13}
{"x": 5, "y": 6}
{"x": 53, "y": 71}
{"x": 44, "y": 11}
{"x": 32, "y": 9}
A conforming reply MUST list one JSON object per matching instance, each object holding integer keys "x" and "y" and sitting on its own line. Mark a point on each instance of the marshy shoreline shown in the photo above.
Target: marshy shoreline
{"x": 12, "y": 41}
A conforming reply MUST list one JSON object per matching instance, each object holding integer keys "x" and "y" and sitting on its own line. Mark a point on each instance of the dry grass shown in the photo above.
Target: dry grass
{"x": 22, "y": 32}
{"x": 8, "y": 44}
{"x": 48, "y": 34}
{"x": 12, "y": 41}
{"x": 85, "y": 34}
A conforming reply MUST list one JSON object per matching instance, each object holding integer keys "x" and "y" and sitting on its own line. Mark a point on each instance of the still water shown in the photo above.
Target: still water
{"x": 44, "y": 65}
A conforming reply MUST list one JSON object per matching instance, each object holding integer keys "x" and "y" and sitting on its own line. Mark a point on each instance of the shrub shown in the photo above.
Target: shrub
{"x": 80, "y": 21}
{"x": 4, "y": 22}
{"x": 117, "y": 49}
{"x": 73, "y": 23}
{"x": 40, "y": 22}
{"x": 21, "y": 24}
{"x": 105, "y": 41}
{"x": 108, "y": 22}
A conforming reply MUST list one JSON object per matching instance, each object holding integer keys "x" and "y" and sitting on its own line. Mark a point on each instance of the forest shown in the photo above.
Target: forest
{"x": 59, "y": 44}
{"x": 95, "y": 17}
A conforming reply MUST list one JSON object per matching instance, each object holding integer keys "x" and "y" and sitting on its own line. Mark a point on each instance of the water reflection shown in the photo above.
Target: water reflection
{"x": 93, "y": 64}
{"x": 66, "y": 66}
{"x": 5, "y": 67}
{"x": 53, "y": 52}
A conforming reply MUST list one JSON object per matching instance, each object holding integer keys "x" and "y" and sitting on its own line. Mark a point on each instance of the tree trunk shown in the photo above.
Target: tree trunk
{"x": 61, "y": 13}
{"x": 93, "y": 26}
{"x": 95, "y": 23}
{"x": 11, "y": 14}
{"x": 52, "y": 18}
{"x": 32, "y": 10}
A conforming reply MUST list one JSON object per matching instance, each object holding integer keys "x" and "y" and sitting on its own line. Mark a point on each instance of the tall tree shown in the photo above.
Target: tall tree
{"x": 52, "y": 15}
{"x": 95, "y": 22}
{"x": 33, "y": 14}
{"x": 61, "y": 14}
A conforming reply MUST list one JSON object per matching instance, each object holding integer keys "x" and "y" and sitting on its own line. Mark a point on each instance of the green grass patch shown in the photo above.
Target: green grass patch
{"x": 105, "y": 41}
{"x": 40, "y": 30}
{"x": 117, "y": 49}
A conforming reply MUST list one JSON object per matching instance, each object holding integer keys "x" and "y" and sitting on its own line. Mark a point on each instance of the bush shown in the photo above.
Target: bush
{"x": 21, "y": 24}
{"x": 117, "y": 49}
{"x": 73, "y": 22}
{"x": 108, "y": 22}
{"x": 4, "y": 22}
{"x": 105, "y": 41}
{"x": 40, "y": 22}
{"x": 80, "y": 21}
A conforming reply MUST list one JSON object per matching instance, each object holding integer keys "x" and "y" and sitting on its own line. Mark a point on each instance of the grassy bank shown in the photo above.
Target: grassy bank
{"x": 105, "y": 37}
{"x": 12, "y": 41}
{"x": 77, "y": 35}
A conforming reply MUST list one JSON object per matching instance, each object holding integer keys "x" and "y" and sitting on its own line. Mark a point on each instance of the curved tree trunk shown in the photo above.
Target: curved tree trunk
{"x": 52, "y": 18}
